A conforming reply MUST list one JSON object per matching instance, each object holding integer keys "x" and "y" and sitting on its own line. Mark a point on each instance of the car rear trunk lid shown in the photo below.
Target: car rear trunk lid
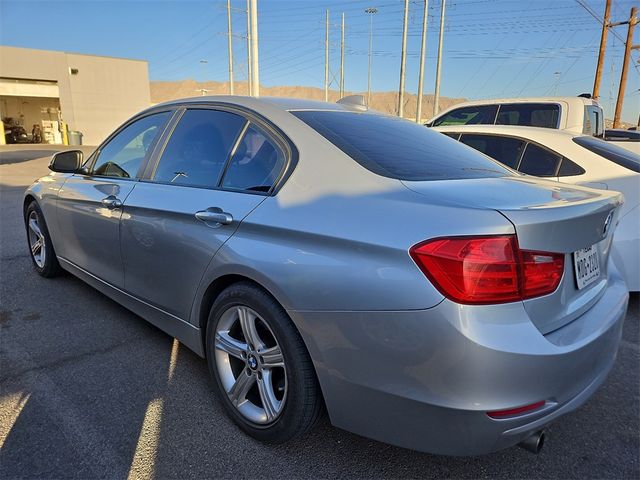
{"x": 549, "y": 217}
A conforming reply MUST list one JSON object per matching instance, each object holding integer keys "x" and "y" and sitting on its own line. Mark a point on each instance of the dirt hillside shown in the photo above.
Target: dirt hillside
{"x": 382, "y": 101}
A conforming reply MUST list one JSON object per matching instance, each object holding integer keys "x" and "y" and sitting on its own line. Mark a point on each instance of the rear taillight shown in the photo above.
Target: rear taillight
{"x": 485, "y": 270}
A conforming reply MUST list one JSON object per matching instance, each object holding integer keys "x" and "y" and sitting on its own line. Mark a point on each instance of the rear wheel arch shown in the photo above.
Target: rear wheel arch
{"x": 217, "y": 286}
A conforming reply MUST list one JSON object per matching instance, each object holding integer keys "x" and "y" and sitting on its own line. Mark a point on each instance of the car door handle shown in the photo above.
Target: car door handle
{"x": 215, "y": 216}
{"x": 111, "y": 202}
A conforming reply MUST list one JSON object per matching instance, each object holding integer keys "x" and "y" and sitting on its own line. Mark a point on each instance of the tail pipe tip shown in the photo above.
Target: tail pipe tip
{"x": 533, "y": 443}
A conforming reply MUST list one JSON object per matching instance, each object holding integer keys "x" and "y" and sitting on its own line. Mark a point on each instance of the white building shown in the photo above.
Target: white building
{"x": 91, "y": 94}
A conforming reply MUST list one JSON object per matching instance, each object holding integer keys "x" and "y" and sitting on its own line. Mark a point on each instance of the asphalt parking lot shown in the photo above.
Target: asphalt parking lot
{"x": 90, "y": 390}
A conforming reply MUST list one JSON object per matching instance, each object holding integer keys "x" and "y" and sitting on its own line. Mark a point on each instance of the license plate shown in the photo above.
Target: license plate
{"x": 586, "y": 264}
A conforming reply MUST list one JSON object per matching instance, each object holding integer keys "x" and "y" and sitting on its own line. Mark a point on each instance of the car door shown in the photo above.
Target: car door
{"x": 214, "y": 169}
{"x": 89, "y": 205}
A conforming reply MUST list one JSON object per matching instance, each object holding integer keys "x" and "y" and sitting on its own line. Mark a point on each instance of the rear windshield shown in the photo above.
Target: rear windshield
{"x": 396, "y": 148}
{"x": 611, "y": 152}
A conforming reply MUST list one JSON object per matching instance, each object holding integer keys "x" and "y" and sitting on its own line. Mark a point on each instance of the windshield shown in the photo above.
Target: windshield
{"x": 400, "y": 149}
{"x": 611, "y": 152}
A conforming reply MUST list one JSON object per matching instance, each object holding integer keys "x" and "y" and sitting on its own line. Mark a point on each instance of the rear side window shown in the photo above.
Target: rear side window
{"x": 593, "y": 121}
{"x": 396, "y": 148}
{"x": 530, "y": 114}
{"x": 611, "y": 152}
{"x": 256, "y": 163}
{"x": 568, "y": 168}
{"x": 539, "y": 161}
{"x": 477, "y": 115}
{"x": 199, "y": 148}
{"x": 506, "y": 150}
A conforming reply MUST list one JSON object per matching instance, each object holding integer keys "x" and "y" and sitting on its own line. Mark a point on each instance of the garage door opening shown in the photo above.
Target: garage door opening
{"x": 30, "y": 111}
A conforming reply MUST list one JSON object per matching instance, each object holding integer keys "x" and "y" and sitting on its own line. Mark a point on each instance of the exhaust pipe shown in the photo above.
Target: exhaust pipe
{"x": 533, "y": 443}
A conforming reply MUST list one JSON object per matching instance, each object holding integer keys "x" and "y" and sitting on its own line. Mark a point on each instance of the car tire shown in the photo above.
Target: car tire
{"x": 43, "y": 257}
{"x": 298, "y": 403}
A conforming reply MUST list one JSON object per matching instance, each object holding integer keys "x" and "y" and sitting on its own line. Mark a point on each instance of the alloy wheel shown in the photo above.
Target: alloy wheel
{"x": 36, "y": 240}
{"x": 250, "y": 365}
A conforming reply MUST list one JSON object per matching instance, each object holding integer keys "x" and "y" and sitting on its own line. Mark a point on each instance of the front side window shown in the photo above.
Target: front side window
{"x": 124, "y": 154}
{"x": 539, "y": 161}
{"x": 506, "y": 150}
{"x": 477, "y": 115}
{"x": 256, "y": 163}
{"x": 396, "y": 148}
{"x": 199, "y": 147}
{"x": 529, "y": 114}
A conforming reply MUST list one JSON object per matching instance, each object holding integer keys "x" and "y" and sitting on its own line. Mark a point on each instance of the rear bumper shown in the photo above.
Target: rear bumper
{"x": 425, "y": 379}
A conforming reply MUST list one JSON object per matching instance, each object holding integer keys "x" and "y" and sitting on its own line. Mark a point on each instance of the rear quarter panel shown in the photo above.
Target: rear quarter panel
{"x": 336, "y": 236}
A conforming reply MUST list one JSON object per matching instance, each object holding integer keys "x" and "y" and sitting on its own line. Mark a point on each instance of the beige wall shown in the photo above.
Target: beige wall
{"x": 105, "y": 92}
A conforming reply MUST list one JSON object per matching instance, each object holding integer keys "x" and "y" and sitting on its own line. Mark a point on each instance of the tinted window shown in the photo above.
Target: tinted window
{"x": 453, "y": 135}
{"x": 504, "y": 149}
{"x": 481, "y": 114}
{"x": 199, "y": 148}
{"x": 531, "y": 114}
{"x": 568, "y": 168}
{"x": 124, "y": 153}
{"x": 593, "y": 120}
{"x": 400, "y": 149}
{"x": 611, "y": 152}
{"x": 256, "y": 164}
{"x": 539, "y": 162}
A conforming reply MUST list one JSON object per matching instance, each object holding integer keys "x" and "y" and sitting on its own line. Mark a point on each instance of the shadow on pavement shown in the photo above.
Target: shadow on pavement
{"x": 18, "y": 156}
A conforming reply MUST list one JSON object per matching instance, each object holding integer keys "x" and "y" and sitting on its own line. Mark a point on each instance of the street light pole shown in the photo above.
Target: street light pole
{"x": 436, "y": 100}
{"x": 423, "y": 54}
{"x": 230, "y": 46}
{"x": 326, "y": 58}
{"x": 371, "y": 11}
{"x": 403, "y": 59}
{"x": 255, "y": 70}
{"x": 342, "y": 58}
{"x": 203, "y": 63}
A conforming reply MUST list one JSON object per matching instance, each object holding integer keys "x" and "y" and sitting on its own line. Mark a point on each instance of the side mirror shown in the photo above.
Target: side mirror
{"x": 68, "y": 161}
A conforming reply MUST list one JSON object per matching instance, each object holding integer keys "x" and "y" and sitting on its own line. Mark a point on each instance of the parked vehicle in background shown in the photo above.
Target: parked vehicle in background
{"x": 628, "y": 139}
{"x": 15, "y": 134}
{"x": 578, "y": 115}
{"x": 570, "y": 158}
{"x": 320, "y": 256}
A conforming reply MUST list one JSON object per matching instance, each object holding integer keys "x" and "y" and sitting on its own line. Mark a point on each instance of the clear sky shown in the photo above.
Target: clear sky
{"x": 492, "y": 48}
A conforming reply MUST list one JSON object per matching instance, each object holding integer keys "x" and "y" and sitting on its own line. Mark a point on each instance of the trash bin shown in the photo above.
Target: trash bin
{"x": 75, "y": 138}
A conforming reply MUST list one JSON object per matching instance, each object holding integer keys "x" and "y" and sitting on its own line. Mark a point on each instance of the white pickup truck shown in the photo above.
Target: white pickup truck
{"x": 579, "y": 115}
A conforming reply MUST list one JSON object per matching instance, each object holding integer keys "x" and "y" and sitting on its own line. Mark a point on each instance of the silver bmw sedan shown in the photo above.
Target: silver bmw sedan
{"x": 325, "y": 257}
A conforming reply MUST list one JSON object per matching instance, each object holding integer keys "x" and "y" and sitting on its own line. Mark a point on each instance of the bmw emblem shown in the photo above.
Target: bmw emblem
{"x": 607, "y": 224}
{"x": 252, "y": 362}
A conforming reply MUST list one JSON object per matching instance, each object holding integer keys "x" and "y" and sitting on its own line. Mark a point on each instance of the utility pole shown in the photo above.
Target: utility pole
{"x": 326, "y": 58}
{"x": 436, "y": 99}
{"x": 230, "y": 45}
{"x": 203, "y": 90}
{"x": 255, "y": 71}
{"x": 423, "y": 54}
{"x": 342, "y": 59}
{"x": 633, "y": 20}
{"x": 248, "y": 48}
{"x": 403, "y": 59}
{"x": 371, "y": 11}
{"x": 603, "y": 48}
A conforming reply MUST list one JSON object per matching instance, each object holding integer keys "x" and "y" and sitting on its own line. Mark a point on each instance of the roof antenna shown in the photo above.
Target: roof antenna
{"x": 356, "y": 101}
